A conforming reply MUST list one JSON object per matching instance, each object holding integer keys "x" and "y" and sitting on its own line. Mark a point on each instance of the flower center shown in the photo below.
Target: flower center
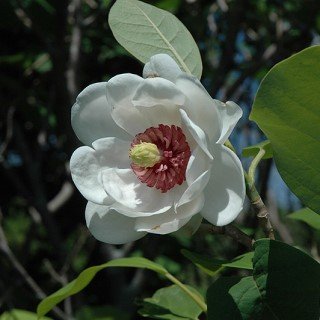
{"x": 145, "y": 154}
{"x": 160, "y": 156}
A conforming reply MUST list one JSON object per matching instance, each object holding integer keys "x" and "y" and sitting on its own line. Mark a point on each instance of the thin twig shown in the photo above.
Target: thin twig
{"x": 61, "y": 198}
{"x": 260, "y": 209}
{"x": 231, "y": 231}
{"x": 9, "y": 132}
{"x": 4, "y": 247}
{"x": 78, "y": 245}
{"x": 75, "y": 20}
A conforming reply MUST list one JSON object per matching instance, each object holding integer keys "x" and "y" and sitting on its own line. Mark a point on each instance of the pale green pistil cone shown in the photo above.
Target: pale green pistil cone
{"x": 145, "y": 154}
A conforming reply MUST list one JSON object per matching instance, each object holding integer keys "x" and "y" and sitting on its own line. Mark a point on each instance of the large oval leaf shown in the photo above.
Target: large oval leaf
{"x": 145, "y": 30}
{"x": 287, "y": 109}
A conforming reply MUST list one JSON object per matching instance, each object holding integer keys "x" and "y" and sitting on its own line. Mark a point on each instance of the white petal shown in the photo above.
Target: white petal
{"x": 120, "y": 91}
{"x": 85, "y": 169}
{"x": 112, "y": 153}
{"x": 132, "y": 197}
{"x": 225, "y": 191}
{"x": 87, "y": 164}
{"x": 91, "y": 115}
{"x": 157, "y": 92}
{"x": 191, "y": 208}
{"x": 194, "y": 132}
{"x": 158, "y": 100}
{"x": 199, "y": 162}
{"x": 170, "y": 221}
{"x": 200, "y": 107}
{"x": 230, "y": 114}
{"x": 195, "y": 189}
{"x": 162, "y": 65}
{"x": 110, "y": 226}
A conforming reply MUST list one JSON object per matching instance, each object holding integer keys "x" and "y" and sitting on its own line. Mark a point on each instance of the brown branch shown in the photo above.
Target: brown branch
{"x": 231, "y": 231}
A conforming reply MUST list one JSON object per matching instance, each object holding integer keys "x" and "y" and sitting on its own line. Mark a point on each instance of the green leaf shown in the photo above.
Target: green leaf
{"x": 171, "y": 303}
{"x": 101, "y": 313}
{"x": 211, "y": 266}
{"x": 285, "y": 285}
{"x": 308, "y": 216}
{"x": 145, "y": 30}
{"x": 287, "y": 110}
{"x": 87, "y": 275}
{"x": 252, "y": 151}
{"x": 17, "y": 314}
{"x": 227, "y": 299}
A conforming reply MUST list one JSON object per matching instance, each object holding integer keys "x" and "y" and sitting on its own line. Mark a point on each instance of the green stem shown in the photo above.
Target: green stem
{"x": 253, "y": 166}
{"x": 253, "y": 194}
{"x": 192, "y": 295}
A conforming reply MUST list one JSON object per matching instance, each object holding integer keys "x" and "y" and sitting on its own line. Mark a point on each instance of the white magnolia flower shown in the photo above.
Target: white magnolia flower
{"x": 154, "y": 154}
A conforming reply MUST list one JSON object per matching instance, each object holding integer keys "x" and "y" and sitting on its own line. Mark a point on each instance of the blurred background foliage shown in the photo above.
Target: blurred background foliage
{"x": 51, "y": 50}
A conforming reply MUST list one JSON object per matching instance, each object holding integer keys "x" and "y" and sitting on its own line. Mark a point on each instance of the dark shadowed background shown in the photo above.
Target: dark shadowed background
{"x": 49, "y": 51}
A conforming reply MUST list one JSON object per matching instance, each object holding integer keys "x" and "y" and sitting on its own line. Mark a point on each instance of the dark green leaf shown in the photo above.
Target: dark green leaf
{"x": 287, "y": 110}
{"x": 101, "y": 313}
{"x": 211, "y": 266}
{"x": 234, "y": 298}
{"x": 285, "y": 286}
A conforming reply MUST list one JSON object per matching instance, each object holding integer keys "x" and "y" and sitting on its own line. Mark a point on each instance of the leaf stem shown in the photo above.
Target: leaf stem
{"x": 253, "y": 166}
{"x": 260, "y": 208}
{"x": 258, "y": 205}
{"x": 191, "y": 294}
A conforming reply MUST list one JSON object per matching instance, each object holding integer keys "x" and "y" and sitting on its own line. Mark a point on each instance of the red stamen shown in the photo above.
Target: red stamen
{"x": 175, "y": 152}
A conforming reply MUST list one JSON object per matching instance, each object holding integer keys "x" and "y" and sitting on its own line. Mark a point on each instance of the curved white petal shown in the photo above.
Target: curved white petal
{"x": 86, "y": 165}
{"x": 109, "y": 226}
{"x": 162, "y": 65}
{"x": 230, "y": 114}
{"x": 195, "y": 135}
{"x": 199, "y": 162}
{"x": 132, "y": 197}
{"x": 200, "y": 107}
{"x": 172, "y": 220}
{"x": 91, "y": 115}
{"x": 225, "y": 191}
{"x": 85, "y": 168}
{"x": 157, "y": 92}
{"x": 194, "y": 190}
{"x": 112, "y": 153}
{"x": 159, "y": 101}
{"x": 120, "y": 91}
